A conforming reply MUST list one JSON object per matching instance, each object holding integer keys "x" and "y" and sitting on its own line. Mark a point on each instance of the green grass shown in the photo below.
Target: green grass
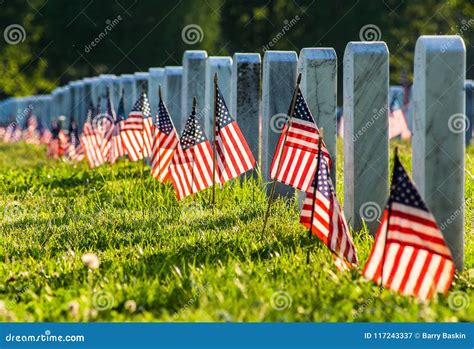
{"x": 177, "y": 260}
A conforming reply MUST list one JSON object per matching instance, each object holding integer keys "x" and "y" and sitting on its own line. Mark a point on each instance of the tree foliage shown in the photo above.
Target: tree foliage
{"x": 68, "y": 40}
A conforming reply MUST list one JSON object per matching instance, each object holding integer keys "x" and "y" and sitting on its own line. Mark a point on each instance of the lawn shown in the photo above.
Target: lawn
{"x": 163, "y": 260}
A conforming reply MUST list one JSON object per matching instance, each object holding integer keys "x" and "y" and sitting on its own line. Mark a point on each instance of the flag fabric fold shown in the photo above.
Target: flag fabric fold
{"x": 322, "y": 214}
{"x": 107, "y": 124}
{"x": 410, "y": 254}
{"x": 165, "y": 141}
{"x": 134, "y": 132}
{"x": 91, "y": 141}
{"x": 191, "y": 167}
{"x": 294, "y": 160}
{"x": 74, "y": 150}
{"x": 117, "y": 149}
{"x": 233, "y": 154}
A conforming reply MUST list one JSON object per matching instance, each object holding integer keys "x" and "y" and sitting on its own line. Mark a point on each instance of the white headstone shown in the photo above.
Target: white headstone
{"x": 171, "y": 91}
{"x": 223, "y": 67}
{"x": 245, "y": 98}
{"x": 130, "y": 92}
{"x": 439, "y": 133}
{"x": 157, "y": 77}
{"x": 279, "y": 80}
{"x": 366, "y": 79}
{"x": 193, "y": 83}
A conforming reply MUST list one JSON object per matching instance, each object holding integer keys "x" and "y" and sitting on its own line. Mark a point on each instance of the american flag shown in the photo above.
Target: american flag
{"x": 55, "y": 145}
{"x": 411, "y": 256}
{"x": 397, "y": 123}
{"x": 91, "y": 140}
{"x": 117, "y": 149}
{"x": 17, "y": 134}
{"x": 165, "y": 141}
{"x": 233, "y": 154}
{"x": 133, "y": 131}
{"x": 10, "y": 132}
{"x": 45, "y": 133}
{"x": 74, "y": 151}
{"x": 107, "y": 124}
{"x": 148, "y": 132}
{"x": 325, "y": 219}
{"x": 298, "y": 146}
{"x": 191, "y": 167}
{"x": 31, "y": 135}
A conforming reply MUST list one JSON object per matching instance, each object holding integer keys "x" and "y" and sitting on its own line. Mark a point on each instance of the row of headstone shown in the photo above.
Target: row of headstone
{"x": 259, "y": 97}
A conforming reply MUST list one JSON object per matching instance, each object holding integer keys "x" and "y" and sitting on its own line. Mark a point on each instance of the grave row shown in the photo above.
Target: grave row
{"x": 259, "y": 97}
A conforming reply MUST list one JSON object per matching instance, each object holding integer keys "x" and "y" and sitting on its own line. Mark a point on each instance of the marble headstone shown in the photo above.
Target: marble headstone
{"x": 366, "y": 153}
{"x": 439, "y": 133}
{"x": 193, "y": 83}
{"x": 279, "y": 79}
{"x": 223, "y": 67}
{"x": 245, "y": 98}
{"x": 171, "y": 91}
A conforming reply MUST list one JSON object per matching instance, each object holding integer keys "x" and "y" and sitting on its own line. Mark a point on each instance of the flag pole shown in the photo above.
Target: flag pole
{"x": 194, "y": 137}
{"x": 160, "y": 99}
{"x": 215, "y": 145}
{"x": 389, "y": 213}
{"x": 143, "y": 156}
{"x": 315, "y": 190}
{"x": 272, "y": 190}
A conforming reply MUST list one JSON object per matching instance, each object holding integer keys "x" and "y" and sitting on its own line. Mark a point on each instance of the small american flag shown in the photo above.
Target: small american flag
{"x": 148, "y": 133}
{"x": 325, "y": 219}
{"x": 45, "y": 133}
{"x": 191, "y": 167}
{"x": 233, "y": 154}
{"x": 74, "y": 142}
{"x": 298, "y": 146}
{"x": 411, "y": 256}
{"x": 58, "y": 142}
{"x": 32, "y": 135}
{"x": 91, "y": 140}
{"x": 108, "y": 125}
{"x": 397, "y": 123}
{"x": 165, "y": 141}
{"x": 133, "y": 131}
{"x": 10, "y": 132}
{"x": 117, "y": 149}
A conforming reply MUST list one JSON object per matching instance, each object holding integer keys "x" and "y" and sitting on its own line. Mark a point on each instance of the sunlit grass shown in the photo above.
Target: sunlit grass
{"x": 179, "y": 261}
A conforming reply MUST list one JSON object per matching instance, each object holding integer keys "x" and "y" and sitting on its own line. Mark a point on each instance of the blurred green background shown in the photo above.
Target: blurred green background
{"x": 146, "y": 33}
